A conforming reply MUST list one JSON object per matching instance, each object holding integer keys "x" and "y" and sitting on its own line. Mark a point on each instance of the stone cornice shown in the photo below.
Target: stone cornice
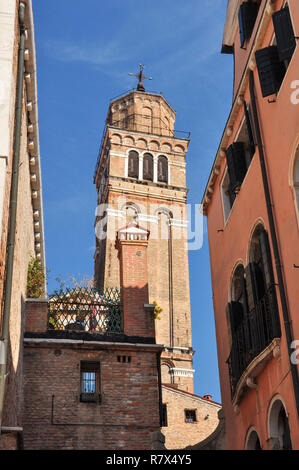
{"x": 33, "y": 134}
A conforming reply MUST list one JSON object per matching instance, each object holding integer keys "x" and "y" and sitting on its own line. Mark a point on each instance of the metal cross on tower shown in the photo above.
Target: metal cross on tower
{"x": 140, "y": 76}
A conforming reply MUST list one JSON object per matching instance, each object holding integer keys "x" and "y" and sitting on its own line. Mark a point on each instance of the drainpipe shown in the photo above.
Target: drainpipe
{"x": 281, "y": 285}
{"x": 12, "y": 209}
{"x": 159, "y": 386}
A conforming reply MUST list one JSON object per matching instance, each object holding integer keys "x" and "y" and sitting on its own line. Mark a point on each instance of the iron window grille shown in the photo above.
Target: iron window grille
{"x": 190, "y": 416}
{"x": 90, "y": 382}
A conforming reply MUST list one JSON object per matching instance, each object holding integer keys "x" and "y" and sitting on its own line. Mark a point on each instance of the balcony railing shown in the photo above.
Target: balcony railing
{"x": 86, "y": 310}
{"x": 257, "y": 330}
{"x": 148, "y": 125}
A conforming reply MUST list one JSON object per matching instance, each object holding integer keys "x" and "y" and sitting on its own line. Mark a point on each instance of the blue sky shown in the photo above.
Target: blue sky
{"x": 85, "y": 51}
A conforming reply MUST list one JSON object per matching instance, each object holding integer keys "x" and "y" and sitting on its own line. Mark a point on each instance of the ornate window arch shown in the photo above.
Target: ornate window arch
{"x": 252, "y": 440}
{"x": 278, "y": 425}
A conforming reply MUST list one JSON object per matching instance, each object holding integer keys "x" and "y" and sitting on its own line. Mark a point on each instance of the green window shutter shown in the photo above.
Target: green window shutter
{"x": 270, "y": 69}
{"x": 236, "y": 315}
{"x": 267, "y": 260}
{"x": 247, "y": 17}
{"x": 249, "y": 130}
{"x": 284, "y": 33}
{"x": 236, "y": 164}
{"x": 252, "y": 285}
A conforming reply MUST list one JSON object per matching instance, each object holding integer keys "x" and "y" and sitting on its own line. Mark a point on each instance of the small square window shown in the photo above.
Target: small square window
{"x": 90, "y": 382}
{"x": 190, "y": 416}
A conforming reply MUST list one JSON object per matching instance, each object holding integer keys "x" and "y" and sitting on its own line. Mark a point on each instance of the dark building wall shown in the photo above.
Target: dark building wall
{"x": 127, "y": 416}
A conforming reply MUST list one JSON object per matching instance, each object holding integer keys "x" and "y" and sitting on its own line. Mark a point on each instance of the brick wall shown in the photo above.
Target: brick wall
{"x": 54, "y": 418}
{"x": 24, "y": 247}
{"x": 179, "y": 434}
{"x": 138, "y": 321}
{"x": 36, "y": 315}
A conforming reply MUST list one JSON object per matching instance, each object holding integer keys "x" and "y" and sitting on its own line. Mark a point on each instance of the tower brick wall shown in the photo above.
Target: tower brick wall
{"x": 159, "y": 207}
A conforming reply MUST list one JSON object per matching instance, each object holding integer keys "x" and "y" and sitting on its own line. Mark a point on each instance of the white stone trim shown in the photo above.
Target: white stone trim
{"x": 148, "y": 218}
{"x": 117, "y": 154}
{"x": 177, "y": 372}
{"x": 116, "y": 213}
{"x": 178, "y": 223}
{"x": 183, "y": 165}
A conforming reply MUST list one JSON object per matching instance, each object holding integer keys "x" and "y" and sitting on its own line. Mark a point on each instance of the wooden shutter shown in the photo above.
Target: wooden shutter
{"x": 236, "y": 164}
{"x": 162, "y": 169}
{"x": 148, "y": 167}
{"x": 236, "y": 315}
{"x": 247, "y": 17}
{"x": 251, "y": 285}
{"x": 249, "y": 130}
{"x": 284, "y": 33}
{"x": 133, "y": 170}
{"x": 266, "y": 258}
{"x": 246, "y": 322}
{"x": 271, "y": 71}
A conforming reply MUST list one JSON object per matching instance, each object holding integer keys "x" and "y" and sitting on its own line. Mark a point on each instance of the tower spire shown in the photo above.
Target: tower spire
{"x": 140, "y": 76}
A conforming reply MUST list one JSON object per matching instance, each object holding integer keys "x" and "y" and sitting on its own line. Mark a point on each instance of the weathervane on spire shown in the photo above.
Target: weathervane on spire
{"x": 140, "y": 76}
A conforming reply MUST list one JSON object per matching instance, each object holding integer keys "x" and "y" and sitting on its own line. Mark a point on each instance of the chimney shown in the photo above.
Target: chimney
{"x": 138, "y": 317}
{"x": 207, "y": 397}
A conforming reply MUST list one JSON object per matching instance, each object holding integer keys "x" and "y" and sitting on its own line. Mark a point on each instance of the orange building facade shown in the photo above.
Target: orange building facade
{"x": 252, "y": 206}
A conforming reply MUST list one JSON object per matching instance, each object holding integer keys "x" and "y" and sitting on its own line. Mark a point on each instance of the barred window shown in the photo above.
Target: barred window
{"x": 190, "y": 416}
{"x": 90, "y": 381}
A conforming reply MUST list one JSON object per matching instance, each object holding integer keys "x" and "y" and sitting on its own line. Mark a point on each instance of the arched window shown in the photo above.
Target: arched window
{"x": 133, "y": 165}
{"x": 162, "y": 169}
{"x": 253, "y": 314}
{"x": 259, "y": 272}
{"x": 131, "y": 213}
{"x": 279, "y": 430}
{"x": 238, "y": 305}
{"x": 253, "y": 441}
{"x": 148, "y": 167}
{"x": 165, "y": 374}
{"x": 296, "y": 178}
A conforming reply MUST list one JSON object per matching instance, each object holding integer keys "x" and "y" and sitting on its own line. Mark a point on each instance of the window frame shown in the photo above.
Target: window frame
{"x": 90, "y": 367}
{"x": 193, "y": 410}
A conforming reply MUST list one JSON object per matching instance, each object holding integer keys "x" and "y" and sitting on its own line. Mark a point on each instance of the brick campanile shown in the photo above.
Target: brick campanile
{"x": 141, "y": 177}
{"x": 138, "y": 315}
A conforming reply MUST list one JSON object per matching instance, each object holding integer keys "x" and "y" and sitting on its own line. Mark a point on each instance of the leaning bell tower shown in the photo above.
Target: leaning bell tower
{"x": 141, "y": 179}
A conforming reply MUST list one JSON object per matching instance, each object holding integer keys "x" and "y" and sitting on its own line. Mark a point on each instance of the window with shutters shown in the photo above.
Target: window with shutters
{"x": 148, "y": 167}
{"x": 133, "y": 164}
{"x": 238, "y": 158}
{"x": 228, "y": 196}
{"x": 247, "y": 17}
{"x": 253, "y": 312}
{"x": 237, "y": 308}
{"x": 273, "y": 61}
{"x": 162, "y": 169}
